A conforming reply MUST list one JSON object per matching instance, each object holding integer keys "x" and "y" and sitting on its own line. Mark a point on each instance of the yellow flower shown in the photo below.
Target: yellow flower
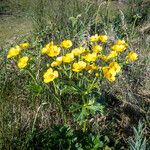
{"x": 115, "y": 66}
{"x": 68, "y": 58}
{"x": 132, "y": 56}
{"x": 44, "y": 50}
{"x": 49, "y": 44}
{"x": 53, "y": 51}
{"x": 103, "y": 38}
{"x": 66, "y": 44}
{"x": 24, "y": 45}
{"x": 78, "y": 51}
{"x": 105, "y": 69}
{"x": 57, "y": 62}
{"x": 14, "y": 51}
{"x": 118, "y": 48}
{"x": 120, "y": 42}
{"x": 97, "y": 48}
{"x": 108, "y": 70}
{"x": 79, "y": 66}
{"x": 50, "y": 75}
{"x": 112, "y": 54}
{"x": 90, "y": 57}
{"x": 94, "y": 38}
{"x": 97, "y": 74}
{"x": 92, "y": 67}
{"x": 111, "y": 71}
{"x": 22, "y": 62}
{"x": 103, "y": 57}
{"x": 110, "y": 77}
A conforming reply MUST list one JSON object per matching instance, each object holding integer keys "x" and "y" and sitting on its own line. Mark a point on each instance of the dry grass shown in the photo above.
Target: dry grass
{"x": 12, "y": 28}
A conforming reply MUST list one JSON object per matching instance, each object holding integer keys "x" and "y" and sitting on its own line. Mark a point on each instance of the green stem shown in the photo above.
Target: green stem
{"x": 63, "y": 113}
{"x": 77, "y": 75}
{"x": 107, "y": 13}
{"x": 133, "y": 27}
{"x": 70, "y": 74}
{"x": 84, "y": 102}
{"x": 84, "y": 125}
{"x": 91, "y": 85}
{"x": 55, "y": 87}
{"x": 32, "y": 76}
{"x": 83, "y": 99}
{"x": 59, "y": 103}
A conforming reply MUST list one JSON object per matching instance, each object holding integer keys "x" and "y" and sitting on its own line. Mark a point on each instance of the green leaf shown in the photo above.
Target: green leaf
{"x": 35, "y": 88}
{"x": 69, "y": 90}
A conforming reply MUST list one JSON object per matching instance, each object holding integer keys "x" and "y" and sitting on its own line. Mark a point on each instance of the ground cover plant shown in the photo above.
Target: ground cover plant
{"x": 79, "y": 80}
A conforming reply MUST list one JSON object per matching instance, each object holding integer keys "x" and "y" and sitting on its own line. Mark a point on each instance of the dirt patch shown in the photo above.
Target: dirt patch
{"x": 12, "y": 27}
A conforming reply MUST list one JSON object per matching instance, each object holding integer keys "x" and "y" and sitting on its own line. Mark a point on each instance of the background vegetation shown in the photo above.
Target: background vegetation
{"x": 29, "y": 120}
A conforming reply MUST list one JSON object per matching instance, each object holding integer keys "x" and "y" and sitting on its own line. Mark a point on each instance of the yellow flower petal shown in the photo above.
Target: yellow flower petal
{"x": 94, "y": 38}
{"x": 103, "y": 38}
{"x": 68, "y": 58}
{"x": 97, "y": 48}
{"x": 66, "y": 44}
{"x": 50, "y": 75}
{"x": 132, "y": 56}
{"x": 24, "y": 45}
{"x": 14, "y": 51}
{"x": 22, "y": 62}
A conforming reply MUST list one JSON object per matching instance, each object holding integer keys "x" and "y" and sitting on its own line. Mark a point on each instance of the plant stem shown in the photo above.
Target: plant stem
{"x": 63, "y": 113}
{"x": 84, "y": 125}
{"x": 133, "y": 28}
{"x": 91, "y": 85}
{"x": 32, "y": 76}
{"x": 70, "y": 74}
{"x": 107, "y": 13}
{"x": 36, "y": 115}
{"x": 84, "y": 102}
{"x": 59, "y": 103}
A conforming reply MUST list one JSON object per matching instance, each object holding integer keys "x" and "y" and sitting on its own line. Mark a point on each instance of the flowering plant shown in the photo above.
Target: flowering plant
{"x": 76, "y": 71}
